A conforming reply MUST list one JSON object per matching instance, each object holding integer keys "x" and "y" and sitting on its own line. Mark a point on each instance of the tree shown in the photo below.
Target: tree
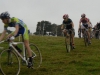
{"x": 46, "y": 26}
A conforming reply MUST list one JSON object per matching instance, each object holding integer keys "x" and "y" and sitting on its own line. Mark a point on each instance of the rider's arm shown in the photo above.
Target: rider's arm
{"x": 89, "y": 23}
{"x": 15, "y": 32}
{"x": 62, "y": 26}
{"x": 3, "y": 35}
{"x": 72, "y": 24}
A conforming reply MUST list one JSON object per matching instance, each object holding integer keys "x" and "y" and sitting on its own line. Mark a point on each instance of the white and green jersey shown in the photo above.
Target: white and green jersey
{"x": 22, "y": 26}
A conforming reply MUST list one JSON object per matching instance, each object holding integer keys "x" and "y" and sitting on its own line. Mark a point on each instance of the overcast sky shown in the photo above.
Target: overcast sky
{"x": 32, "y": 11}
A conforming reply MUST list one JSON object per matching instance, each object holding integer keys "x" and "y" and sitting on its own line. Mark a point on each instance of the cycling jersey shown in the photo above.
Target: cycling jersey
{"x": 68, "y": 23}
{"x": 84, "y": 20}
{"x": 22, "y": 27}
{"x": 84, "y": 23}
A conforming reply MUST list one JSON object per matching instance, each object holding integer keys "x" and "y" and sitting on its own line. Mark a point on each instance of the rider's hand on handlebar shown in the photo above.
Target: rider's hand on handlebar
{"x": 10, "y": 38}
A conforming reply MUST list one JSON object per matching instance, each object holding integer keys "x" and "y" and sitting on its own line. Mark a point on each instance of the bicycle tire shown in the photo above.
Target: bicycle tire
{"x": 68, "y": 47}
{"x": 86, "y": 40}
{"x": 9, "y": 62}
{"x": 37, "y": 57}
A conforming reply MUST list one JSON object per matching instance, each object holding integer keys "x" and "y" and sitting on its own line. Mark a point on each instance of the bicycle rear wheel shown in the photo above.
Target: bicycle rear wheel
{"x": 37, "y": 57}
{"x": 9, "y": 63}
{"x": 68, "y": 47}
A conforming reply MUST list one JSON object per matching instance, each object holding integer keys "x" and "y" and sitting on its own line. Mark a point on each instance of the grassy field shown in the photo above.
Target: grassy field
{"x": 56, "y": 61}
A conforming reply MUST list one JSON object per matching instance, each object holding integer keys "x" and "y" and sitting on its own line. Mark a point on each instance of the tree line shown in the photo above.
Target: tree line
{"x": 47, "y": 28}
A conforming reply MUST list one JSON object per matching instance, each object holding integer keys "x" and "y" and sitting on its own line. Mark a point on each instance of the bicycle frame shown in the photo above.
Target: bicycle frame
{"x": 11, "y": 44}
{"x": 70, "y": 33}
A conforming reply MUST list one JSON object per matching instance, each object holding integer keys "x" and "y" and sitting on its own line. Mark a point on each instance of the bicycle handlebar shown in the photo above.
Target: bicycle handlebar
{"x": 7, "y": 40}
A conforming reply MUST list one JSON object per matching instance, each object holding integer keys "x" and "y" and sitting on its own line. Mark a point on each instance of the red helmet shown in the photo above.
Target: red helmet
{"x": 65, "y": 16}
{"x": 83, "y": 15}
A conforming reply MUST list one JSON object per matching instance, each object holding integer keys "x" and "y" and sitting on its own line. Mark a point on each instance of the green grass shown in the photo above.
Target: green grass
{"x": 56, "y": 61}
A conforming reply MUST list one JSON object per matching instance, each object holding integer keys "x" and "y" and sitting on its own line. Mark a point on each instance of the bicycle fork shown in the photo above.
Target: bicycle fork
{"x": 10, "y": 60}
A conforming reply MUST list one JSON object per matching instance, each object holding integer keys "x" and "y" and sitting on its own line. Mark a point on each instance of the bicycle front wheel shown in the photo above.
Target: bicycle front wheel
{"x": 37, "y": 57}
{"x": 68, "y": 47}
{"x": 86, "y": 41}
{"x": 9, "y": 63}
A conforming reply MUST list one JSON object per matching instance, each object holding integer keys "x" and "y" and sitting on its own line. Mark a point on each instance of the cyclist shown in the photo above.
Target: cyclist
{"x": 20, "y": 28}
{"x": 85, "y": 24}
{"x": 68, "y": 25}
{"x": 96, "y": 27}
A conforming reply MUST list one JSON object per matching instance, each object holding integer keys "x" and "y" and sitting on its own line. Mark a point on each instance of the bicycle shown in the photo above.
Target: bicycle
{"x": 68, "y": 41}
{"x": 85, "y": 35}
{"x": 10, "y": 58}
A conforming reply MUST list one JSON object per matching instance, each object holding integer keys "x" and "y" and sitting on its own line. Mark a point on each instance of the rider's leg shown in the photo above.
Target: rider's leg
{"x": 26, "y": 43}
{"x": 83, "y": 32}
{"x": 88, "y": 33}
{"x": 72, "y": 38}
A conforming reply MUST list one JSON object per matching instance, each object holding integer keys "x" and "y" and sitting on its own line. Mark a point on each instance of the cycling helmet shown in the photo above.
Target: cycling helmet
{"x": 83, "y": 15}
{"x": 65, "y": 16}
{"x": 4, "y": 15}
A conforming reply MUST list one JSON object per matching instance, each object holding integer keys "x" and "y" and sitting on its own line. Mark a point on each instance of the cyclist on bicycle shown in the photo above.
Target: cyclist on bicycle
{"x": 96, "y": 28}
{"x": 68, "y": 23}
{"x": 85, "y": 25}
{"x": 20, "y": 28}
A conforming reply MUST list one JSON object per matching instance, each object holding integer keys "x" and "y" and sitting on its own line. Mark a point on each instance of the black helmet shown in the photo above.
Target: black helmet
{"x": 4, "y": 15}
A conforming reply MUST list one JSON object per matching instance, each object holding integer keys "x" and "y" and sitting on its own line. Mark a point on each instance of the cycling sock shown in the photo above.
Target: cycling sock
{"x": 30, "y": 59}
